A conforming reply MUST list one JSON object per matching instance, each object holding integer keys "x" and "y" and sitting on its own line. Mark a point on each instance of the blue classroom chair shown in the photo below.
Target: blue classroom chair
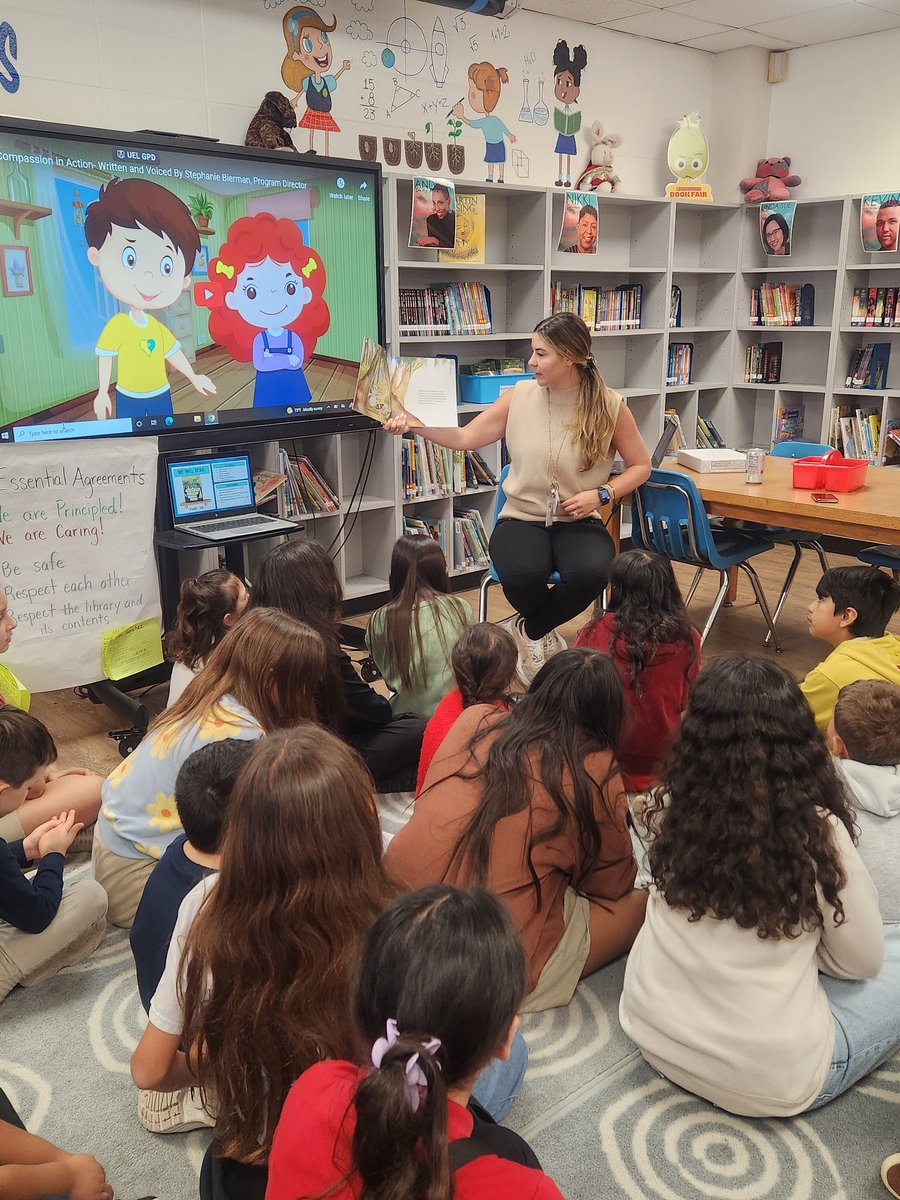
{"x": 667, "y": 515}
{"x": 882, "y": 556}
{"x": 490, "y": 576}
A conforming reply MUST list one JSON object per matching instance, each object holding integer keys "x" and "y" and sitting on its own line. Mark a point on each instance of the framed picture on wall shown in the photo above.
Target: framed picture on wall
{"x": 201, "y": 262}
{"x": 15, "y": 271}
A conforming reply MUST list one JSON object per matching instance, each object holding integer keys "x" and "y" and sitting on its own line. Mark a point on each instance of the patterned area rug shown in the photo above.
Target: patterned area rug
{"x": 603, "y": 1124}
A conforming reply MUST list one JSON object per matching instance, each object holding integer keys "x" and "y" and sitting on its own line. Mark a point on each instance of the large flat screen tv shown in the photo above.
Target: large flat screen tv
{"x": 153, "y": 284}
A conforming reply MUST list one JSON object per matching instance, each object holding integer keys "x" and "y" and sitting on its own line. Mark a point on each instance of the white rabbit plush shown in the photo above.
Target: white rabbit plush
{"x": 598, "y": 175}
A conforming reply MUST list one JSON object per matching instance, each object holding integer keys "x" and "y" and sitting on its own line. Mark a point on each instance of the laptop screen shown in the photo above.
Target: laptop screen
{"x": 209, "y": 487}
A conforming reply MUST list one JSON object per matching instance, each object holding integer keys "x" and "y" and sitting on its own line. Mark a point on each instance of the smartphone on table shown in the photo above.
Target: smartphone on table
{"x": 824, "y": 498}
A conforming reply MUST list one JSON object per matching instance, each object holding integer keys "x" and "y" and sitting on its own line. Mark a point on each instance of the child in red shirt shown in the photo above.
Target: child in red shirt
{"x": 656, "y": 651}
{"x": 440, "y": 982}
{"x": 484, "y": 665}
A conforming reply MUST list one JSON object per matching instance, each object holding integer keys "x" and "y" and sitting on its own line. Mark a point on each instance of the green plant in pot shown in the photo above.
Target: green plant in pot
{"x": 201, "y": 208}
{"x": 456, "y": 154}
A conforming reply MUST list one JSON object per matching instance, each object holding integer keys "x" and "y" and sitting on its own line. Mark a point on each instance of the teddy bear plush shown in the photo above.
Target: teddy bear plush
{"x": 598, "y": 175}
{"x": 268, "y": 129}
{"x": 771, "y": 182}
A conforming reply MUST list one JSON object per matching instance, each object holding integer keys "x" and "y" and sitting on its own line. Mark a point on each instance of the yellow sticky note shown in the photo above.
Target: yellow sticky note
{"x": 13, "y": 690}
{"x": 131, "y": 648}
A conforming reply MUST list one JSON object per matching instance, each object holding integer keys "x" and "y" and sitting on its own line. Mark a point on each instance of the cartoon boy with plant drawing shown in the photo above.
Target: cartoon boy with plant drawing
{"x": 142, "y": 240}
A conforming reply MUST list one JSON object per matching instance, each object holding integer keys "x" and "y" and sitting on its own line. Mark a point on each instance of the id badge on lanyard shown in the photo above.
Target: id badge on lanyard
{"x": 552, "y": 505}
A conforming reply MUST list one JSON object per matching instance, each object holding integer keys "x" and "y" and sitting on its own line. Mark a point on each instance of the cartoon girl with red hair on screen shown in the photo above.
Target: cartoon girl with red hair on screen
{"x": 265, "y": 296}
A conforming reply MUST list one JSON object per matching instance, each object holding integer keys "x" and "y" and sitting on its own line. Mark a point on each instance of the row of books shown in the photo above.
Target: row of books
{"x": 678, "y": 442}
{"x": 708, "y": 437}
{"x": 306, "y": 493}
{"x": 429, "y": 470}
{"x": 783, "y": 304}
{"x": 454, "y": 308}
{"x": 789, "y": 425}
{"x": 868, "y": 366}
{"x": 855, "y": 432}
{"x": 680, "y": 364}
{"x": 762, "y": 362}
{"x": 875, "y": 306}
{"x": 464, "y": 542}
{"x": 600, "y": 308}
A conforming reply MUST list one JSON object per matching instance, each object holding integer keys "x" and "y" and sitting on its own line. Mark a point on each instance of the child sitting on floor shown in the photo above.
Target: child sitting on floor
{"x": 202, "y": 792}
{"x": 656, "y": 651}
{"x": 484, "y": 666}
{"x": 43, "y": 926}
{"x": 412, "y": 636}
{"x": 852, "y": 608}
{"x": 441, "y": 979}
{"x": 864, "y": 737}
{"x": 207, "y": 608}
{"x": 263, "y": 675}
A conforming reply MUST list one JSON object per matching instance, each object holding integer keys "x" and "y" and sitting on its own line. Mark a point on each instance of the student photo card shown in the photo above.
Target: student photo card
{"x": 879, "y": 222}
{"x": 432, "y": 220}
{"x": 776, "y": 226}
{"x": 578, "y": 231}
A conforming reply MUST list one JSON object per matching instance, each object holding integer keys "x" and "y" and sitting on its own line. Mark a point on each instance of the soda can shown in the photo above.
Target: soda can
{"x": 756, "y": 460}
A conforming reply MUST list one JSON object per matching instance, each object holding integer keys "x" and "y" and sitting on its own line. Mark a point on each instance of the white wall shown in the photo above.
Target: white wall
{"x": 823, "y": 115}
{"x": 202, "y": 66}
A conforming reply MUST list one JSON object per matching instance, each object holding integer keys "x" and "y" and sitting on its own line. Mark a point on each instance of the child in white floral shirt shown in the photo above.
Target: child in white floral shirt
{"x": 263, "y": 675}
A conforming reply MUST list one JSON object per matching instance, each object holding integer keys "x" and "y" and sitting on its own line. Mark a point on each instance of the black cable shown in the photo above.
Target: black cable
{"x": 360, "y": 487}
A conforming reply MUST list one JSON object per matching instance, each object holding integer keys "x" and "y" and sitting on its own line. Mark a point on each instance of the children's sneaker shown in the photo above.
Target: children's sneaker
{"x": 173, "y": 1112}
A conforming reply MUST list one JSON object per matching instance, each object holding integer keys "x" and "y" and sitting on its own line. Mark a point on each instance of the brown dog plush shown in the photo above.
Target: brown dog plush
{"x": 268, "y": 129}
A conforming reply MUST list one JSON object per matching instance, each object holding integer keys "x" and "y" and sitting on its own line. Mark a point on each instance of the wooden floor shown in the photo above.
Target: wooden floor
{"x": 80, "y": 728}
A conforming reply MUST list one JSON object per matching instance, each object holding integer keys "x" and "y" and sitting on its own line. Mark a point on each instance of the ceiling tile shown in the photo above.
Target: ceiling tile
{"x": 666, "y": 26}
{"x": 664, "y": 3}
{"x": 591, "y": 11}
{"x": 892, "y": 6}
{"x": 735, "y": 39}
{"x": 829, "y": 25}
{"x": 743, "y": 13}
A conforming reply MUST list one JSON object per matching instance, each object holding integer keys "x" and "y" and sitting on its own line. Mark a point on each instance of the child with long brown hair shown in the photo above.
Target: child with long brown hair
{"x": 484, "y": 667}
{"x": 412, "y": 636}
{"x": 208, "y": 606}
{"x": 262, "y": 676}
{"x": 299, "y": 577}
{"x": 257, "y": 983}
{"x": 440, "y": 981}
{"x": 762, "y": 919}
{"x": 530, "y": 803}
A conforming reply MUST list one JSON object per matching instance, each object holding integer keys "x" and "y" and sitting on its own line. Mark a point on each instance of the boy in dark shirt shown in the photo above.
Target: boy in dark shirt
{"x": 202, "y": 792}
{"x": 43, "y": 927}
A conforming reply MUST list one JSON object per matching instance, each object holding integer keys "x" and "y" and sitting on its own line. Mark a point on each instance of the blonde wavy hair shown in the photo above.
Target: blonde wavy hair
{"x": 594, "y": 416}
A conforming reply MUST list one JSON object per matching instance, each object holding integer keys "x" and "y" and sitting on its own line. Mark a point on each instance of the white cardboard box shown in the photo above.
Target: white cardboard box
{"x": 712, "y": 460}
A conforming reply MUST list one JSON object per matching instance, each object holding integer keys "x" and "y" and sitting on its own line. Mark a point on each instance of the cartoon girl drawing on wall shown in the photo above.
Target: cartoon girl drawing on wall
{"x": 485, "y": 81}
{"x": 305, "y": 69}
{"x": 265, "y": 296}
{"x": 567, "y": 88}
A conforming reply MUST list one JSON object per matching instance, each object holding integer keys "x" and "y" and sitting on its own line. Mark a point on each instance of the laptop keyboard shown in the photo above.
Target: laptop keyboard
{"x": 234, "y": 523}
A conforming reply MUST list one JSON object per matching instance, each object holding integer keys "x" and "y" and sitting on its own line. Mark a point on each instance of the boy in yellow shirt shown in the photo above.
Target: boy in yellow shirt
{"x": 143, "y": 242}
{"x": 852, "y": 608}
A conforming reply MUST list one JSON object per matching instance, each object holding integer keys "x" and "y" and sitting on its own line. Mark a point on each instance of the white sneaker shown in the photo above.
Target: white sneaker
{"x": 173, "y": 1112}
{"x": 531, "y": 653}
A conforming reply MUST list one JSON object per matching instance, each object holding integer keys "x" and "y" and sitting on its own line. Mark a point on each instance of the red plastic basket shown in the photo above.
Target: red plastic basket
{"x": 831, "y": 472}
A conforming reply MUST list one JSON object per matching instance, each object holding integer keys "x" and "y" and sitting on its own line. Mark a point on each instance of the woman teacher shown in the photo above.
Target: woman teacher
{"x": 563, "y": 430}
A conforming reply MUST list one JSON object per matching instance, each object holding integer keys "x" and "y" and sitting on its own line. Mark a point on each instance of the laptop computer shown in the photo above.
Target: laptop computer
{"x": 213, "y": 498}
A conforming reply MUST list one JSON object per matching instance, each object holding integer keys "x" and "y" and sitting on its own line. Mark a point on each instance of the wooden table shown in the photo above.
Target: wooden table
{"x": 870, "y": 515}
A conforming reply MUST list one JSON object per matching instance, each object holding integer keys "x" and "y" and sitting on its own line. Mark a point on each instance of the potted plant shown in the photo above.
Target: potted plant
{"x": 456, "y": 154}
{"x": 201, "y": 208}
{"x": 368, "y": 147}
{"x": 392, "y": 151}
{"x": 434, "y": 151}
{"x": 412, "y": 148}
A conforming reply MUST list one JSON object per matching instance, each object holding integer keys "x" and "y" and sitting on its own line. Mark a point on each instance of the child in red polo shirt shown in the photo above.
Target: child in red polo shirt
{"x": 441, "y": 980}
{"x": 656, "y": 651}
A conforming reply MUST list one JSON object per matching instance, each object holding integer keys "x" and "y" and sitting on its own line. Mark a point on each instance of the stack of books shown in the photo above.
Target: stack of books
{"x": 431, "y": 471}
{"x": 708, "y": 437}
{"x": 868, "y": 366}
{"x": 470, "y": 540}
{"x": 678, "y": 441}
{"x": 452, "y": 309}
{"x": 856, "y": 433}
{"x": 681, "y": 362}
{"x": 307, "y": 492}
{"x": 789, "y": 425}
{"x": 762, "y": 363}
{"x": 782, "y": 304}
{"x": 432, "y": 527}
{"x": 600, "y": 308}
{"x": 875, "y": 306}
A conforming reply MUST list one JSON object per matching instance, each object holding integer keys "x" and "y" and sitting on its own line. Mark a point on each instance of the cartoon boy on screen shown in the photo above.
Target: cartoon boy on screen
{"x": 265, "y": 296}
{"x": 142, "y": 240}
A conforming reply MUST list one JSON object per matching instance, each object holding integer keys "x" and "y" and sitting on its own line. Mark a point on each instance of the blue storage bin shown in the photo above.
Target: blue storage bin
{"x": 485, "y": 389}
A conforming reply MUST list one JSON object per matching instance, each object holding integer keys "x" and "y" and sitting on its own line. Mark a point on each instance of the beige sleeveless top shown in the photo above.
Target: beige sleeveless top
{"x": 535, "y": 419}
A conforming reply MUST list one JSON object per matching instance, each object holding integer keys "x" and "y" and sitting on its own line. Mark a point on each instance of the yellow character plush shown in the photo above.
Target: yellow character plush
{"x": 688, "y": 159}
